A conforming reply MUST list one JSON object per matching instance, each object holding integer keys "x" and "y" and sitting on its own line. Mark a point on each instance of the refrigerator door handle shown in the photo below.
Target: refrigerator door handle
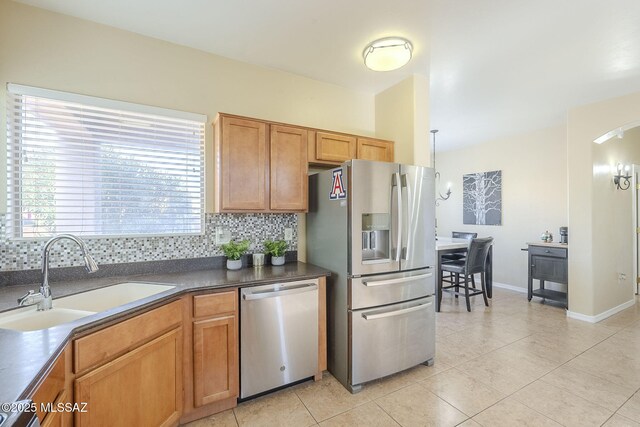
{"x": 398, "y": 280}
{"x": 397, "y": 183}
{"x": 395, "y": 312}
{"x": 406, "y": 235}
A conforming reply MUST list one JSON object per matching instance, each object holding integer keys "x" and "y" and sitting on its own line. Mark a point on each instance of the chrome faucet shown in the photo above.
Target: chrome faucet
{"x": 43, "y": 298}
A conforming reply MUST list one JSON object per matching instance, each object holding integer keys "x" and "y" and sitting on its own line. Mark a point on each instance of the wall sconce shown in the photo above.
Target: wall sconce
{"x": 437, "y": 175}
{"x": 622, "y": 182}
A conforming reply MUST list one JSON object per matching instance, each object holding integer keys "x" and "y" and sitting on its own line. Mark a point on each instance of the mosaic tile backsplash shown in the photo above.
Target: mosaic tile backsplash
{"x": 26, "y": 254}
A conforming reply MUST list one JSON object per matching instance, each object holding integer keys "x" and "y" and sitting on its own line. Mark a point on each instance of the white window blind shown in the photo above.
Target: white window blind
{"x": 91, "y": 166}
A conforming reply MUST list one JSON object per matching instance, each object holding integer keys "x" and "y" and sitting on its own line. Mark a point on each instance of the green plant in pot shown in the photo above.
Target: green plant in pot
{"x": 234, "y": 251}
{"x": 277, "y": 249}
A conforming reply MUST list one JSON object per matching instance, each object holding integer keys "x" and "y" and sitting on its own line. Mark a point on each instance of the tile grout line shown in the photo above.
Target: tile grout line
{"x": 235, "y": 417}
{"x": 625, "y": 402}
{"x": 511, "y": 395}
{"x": 306, "y": 407}
{"x": 383, "y": 410}
{"x": 526, "y": 385}
{"x": 611, "y": 332}
{"x": 333, "y": 416}
{"x": 504, "y": 398}
{"x": 553, "y": 370}
{"x": 442, "y": 398}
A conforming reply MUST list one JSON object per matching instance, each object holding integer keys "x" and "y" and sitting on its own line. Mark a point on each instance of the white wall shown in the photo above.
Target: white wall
{"x": 593, "y": 263}
{"x": 534, "y": 194}
{"x": 613, "y": 221}
{"x": 45, "y": 49}
{"x": 402, "y": 115}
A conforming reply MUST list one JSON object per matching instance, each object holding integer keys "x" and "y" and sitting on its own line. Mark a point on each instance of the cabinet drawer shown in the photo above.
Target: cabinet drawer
{"x": 106, "y": 344}
{"x": 378, "y": 347}
{"x": 214, "y": 304}
{"x": 544, "y": 251}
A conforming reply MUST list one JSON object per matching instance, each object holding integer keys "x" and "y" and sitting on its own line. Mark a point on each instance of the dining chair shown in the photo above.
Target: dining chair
{"x": 456, "y": 256}
{"x": 459, "y": 235}
{"x": 474, "y": 263}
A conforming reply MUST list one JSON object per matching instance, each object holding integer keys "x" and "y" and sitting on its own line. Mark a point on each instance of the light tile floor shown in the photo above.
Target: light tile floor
{"x": 512, "y": 364}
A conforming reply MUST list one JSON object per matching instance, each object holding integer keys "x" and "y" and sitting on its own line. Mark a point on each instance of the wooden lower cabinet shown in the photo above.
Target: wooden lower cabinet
{"x": 211, "y": 374}
{"x": 169, "y": 365}
{"x": 54, "y": 394}
{"x": 60, "y": 417}
{"x": 141, "y": 388}
{"x": 215, "y": 360}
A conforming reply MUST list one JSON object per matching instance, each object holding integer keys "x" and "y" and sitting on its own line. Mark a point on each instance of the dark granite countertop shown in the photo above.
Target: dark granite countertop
{"x": 26, "y": 356}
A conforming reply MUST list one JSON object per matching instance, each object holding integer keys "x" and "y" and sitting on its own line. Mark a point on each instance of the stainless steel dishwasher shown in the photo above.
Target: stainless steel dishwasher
{"x": 278, "y": 335}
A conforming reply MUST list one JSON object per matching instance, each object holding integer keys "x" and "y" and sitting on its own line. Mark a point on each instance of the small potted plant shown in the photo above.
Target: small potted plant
{"x": 234, "y": 251}
{"x": 276, "y": 248}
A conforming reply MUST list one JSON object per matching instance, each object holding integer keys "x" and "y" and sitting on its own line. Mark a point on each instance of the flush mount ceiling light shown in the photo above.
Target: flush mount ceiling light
{"x": 387, "y": 54}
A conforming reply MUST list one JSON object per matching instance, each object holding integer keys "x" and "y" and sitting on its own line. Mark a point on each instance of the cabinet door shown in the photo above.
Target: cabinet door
{"x": 374, "y": 149}
{"x": 550, "y": 269}
{"x": 215, "y": 355}
{"x": 141, "y": 388}
{"x": 288, "y": 148}
{"x": 51, "y": 388}
{"x": 332, "y": 147}
{"x": 59, "y": 418}
{"x": 243, "y": 168}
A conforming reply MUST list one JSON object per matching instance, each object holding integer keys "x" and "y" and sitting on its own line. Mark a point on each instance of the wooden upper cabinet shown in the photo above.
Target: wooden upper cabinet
{"x": 260, "y": 166}
{"x": 325, "y": 148}
{"x": 288, "y": 168}
{"x": 334, "y": 148}
{"x": 242, "y": 164}
{"x": 375, "y": 149}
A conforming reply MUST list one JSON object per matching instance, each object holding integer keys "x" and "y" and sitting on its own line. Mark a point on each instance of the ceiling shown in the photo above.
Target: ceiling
{"x": 497, "y": 67}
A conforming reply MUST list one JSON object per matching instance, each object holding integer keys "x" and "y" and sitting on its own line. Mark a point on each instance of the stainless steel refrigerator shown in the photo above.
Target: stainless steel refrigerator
{"x": 372, "y": 224}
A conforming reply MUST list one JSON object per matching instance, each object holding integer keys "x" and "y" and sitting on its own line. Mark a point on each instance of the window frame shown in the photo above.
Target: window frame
{"x": 15, "y": 225}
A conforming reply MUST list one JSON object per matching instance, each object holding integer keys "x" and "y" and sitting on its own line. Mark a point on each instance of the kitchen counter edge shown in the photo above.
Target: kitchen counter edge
{"x": 26, "y": 357}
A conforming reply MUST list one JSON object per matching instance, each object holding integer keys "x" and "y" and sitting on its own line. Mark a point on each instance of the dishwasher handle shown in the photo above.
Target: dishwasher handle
{"x": 247, "y": 295}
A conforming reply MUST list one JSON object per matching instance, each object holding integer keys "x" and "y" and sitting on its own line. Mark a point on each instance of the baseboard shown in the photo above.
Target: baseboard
{"x": 598, "y": 317}
{"x": 509, "y": 287}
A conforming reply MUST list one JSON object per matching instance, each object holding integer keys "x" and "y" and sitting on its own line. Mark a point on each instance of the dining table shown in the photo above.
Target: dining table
{"x": 448, "y": 245}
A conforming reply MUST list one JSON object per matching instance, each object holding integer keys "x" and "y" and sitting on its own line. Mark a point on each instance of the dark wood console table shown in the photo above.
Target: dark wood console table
{"x": 548, "y": 262}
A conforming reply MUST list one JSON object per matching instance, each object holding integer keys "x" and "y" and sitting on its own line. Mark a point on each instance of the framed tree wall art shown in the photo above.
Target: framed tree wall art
{"x": 482, "y": 198}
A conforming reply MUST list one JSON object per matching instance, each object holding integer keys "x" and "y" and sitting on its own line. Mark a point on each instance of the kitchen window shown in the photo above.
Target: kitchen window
{"x": 97, "y": 167}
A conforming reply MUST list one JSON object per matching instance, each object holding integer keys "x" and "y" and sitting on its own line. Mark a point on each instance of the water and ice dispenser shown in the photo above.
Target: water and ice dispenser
{"x": 375, "y": 236}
